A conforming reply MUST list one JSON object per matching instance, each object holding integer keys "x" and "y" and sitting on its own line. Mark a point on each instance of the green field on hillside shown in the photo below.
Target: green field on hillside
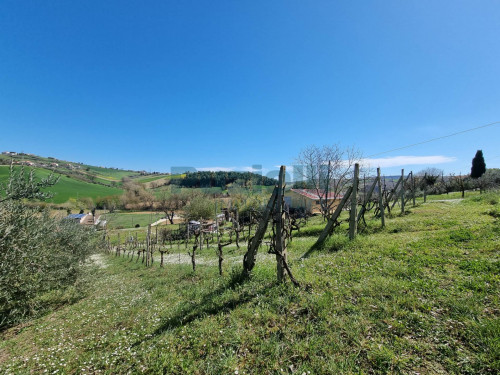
{"x": 67, "y": 188}
{"x": 109, "y": 173}
{"x": 130, "y": 219}
{"x": 150, "y": 178}
{"x": 419, "y": 296}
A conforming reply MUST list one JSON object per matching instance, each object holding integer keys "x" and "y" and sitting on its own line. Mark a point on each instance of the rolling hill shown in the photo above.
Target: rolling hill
{"x": 67, "y": 187}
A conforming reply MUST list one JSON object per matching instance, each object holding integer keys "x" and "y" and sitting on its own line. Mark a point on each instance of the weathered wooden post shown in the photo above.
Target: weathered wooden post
{"x": 353, "y": 227}
{"x": 366, "y": 198}
{"x": 402, "y": 191}
{"x": 331, "y": 221}
{"x": 380, "y": 199}
{"x": 254, "y": 243}
{"x": 412, "y": 182}
{"x": 118, "y": 247}
{"x": 425, "y": 188}
{"x": 148, "y": 246}
{"x": 236, "y": 225}
{"x": 280, "y": 246}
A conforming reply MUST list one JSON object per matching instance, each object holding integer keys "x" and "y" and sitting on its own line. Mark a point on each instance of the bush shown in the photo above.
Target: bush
{"x": 199, "y": 207}
{"x": 38, "y": 254}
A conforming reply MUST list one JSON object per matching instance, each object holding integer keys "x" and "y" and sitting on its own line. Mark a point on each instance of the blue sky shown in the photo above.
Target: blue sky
{"x": 230, "y": 84}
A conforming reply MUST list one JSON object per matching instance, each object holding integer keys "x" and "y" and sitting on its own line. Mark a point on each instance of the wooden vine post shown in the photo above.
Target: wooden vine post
{"x": 380, "y": 199}
{"x": 402, "y": 191}
{"x": 148, "y": 246}
{"x": 425, "y": 188}
{"x": 412, "y": 182}
{"x": 393, "y": 193}
{"x": 220, "y": 245}
{"x": 281, "y": 233}
{"x": 118, "y": 246}
{"x": 354, "y": 202}
{"x": 280, "y": 245}
{"x": 256, "y": 240}
{"x": 366, "y": 198}
{"x": 332, "y": 220}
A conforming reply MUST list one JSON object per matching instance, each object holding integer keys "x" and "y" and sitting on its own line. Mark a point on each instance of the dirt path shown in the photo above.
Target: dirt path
{"x": 452, "y": 201}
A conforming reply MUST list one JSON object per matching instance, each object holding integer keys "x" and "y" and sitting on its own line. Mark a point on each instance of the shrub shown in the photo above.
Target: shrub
{"x": 38, "y": 254}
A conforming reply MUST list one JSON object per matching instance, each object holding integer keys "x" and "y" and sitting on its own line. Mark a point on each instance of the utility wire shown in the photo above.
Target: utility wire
{"x": 435, "y": 139}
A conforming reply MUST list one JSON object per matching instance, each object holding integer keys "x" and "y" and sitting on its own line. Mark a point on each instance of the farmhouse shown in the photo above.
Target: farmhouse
{"x": 308, "y": 199}
{"x": 84, "y": 219}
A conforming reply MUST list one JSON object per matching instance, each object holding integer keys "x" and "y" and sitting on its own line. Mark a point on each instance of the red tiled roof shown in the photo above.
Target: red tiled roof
{"x": 313, "y": 193}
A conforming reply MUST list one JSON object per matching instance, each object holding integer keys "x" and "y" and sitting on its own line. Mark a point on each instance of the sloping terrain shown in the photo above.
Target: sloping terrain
{"x": 67, "y": 187}
{"x": 419, "y": 296}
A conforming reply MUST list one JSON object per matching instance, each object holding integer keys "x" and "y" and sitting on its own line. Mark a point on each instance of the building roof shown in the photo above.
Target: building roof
{"x": 75, "y": 216}
{"x": 313, "y": 193}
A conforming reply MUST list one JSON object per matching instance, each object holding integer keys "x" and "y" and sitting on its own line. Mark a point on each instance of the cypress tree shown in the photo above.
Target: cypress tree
{"x": 478, "y": 165}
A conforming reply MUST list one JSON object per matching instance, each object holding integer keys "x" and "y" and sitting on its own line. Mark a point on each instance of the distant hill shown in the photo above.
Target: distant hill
{"x": 87, "y": 173}
{"x": 78, "y": 180}
{"x": 67, "y": 187}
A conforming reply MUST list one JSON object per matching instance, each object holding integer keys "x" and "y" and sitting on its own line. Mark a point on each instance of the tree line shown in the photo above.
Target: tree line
{"x": 222, "y": 179}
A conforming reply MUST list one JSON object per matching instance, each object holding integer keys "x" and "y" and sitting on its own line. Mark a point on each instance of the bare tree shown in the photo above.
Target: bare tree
{"x": 327, "y": 170}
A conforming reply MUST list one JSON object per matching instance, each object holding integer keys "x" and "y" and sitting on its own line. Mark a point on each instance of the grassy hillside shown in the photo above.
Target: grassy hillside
{"x": 109, "y": 173}
{"x": 102, "y": 175}
{"x": 130, "y": 219}
{"x": 67, "y": 188}
{"x": 156, "y": 177}
{"x": 419, "y": 296}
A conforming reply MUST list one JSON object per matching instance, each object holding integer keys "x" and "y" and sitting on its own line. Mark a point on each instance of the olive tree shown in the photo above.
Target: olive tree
{"x": 38, "y": 254}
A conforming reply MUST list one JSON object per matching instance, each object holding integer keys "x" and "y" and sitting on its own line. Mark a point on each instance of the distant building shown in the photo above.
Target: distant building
{"x": 308, "y": 199}
{"x": 10, "y": 153}
{"x": 194, "y": 225}
{"x": 83, "y": 219}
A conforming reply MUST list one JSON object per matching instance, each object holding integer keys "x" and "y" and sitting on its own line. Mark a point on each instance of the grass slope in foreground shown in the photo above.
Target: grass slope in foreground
{"x": 67, "y": 188}
{"x": 420, "y": 296}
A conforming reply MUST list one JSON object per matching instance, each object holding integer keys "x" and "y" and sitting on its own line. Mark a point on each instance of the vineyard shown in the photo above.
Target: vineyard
{"x": 417, "y": 294}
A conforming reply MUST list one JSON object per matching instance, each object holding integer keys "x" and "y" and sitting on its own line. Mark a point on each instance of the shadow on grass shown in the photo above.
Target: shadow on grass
{"x": 209, "y": 305}
{"x": 312, "y": 249}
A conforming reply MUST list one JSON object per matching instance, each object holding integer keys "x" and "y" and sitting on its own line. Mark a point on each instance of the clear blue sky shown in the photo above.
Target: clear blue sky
{"x": 151, "y": 85}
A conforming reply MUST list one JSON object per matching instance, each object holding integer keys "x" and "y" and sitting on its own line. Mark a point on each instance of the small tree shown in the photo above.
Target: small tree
{"x": 478, "y": 165}
{"x": 169, "y": 204}
{"x": 38, "y": 253}
{"x": 199, "y": 207}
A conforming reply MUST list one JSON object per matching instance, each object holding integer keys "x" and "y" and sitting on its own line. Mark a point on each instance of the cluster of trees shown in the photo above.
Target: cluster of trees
{"x": 39, "y": 256}
{"x": 222, "y": 179}
{"x": 434, "y": 181}
{"x": 196, "y": 205}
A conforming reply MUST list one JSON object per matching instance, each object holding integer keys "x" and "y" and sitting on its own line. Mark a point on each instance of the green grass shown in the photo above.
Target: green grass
{"x": 420, "y": 296}
{"x": 121, "y": 220}
{"x": 109, "y": 173}
{"x": 150, "y": 178}
{"x": 103, "y": 174}
{"x": 67, "y": 188}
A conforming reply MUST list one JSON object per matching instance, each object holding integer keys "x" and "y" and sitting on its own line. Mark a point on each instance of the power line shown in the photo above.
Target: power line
{"x": 435, "y": 139}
